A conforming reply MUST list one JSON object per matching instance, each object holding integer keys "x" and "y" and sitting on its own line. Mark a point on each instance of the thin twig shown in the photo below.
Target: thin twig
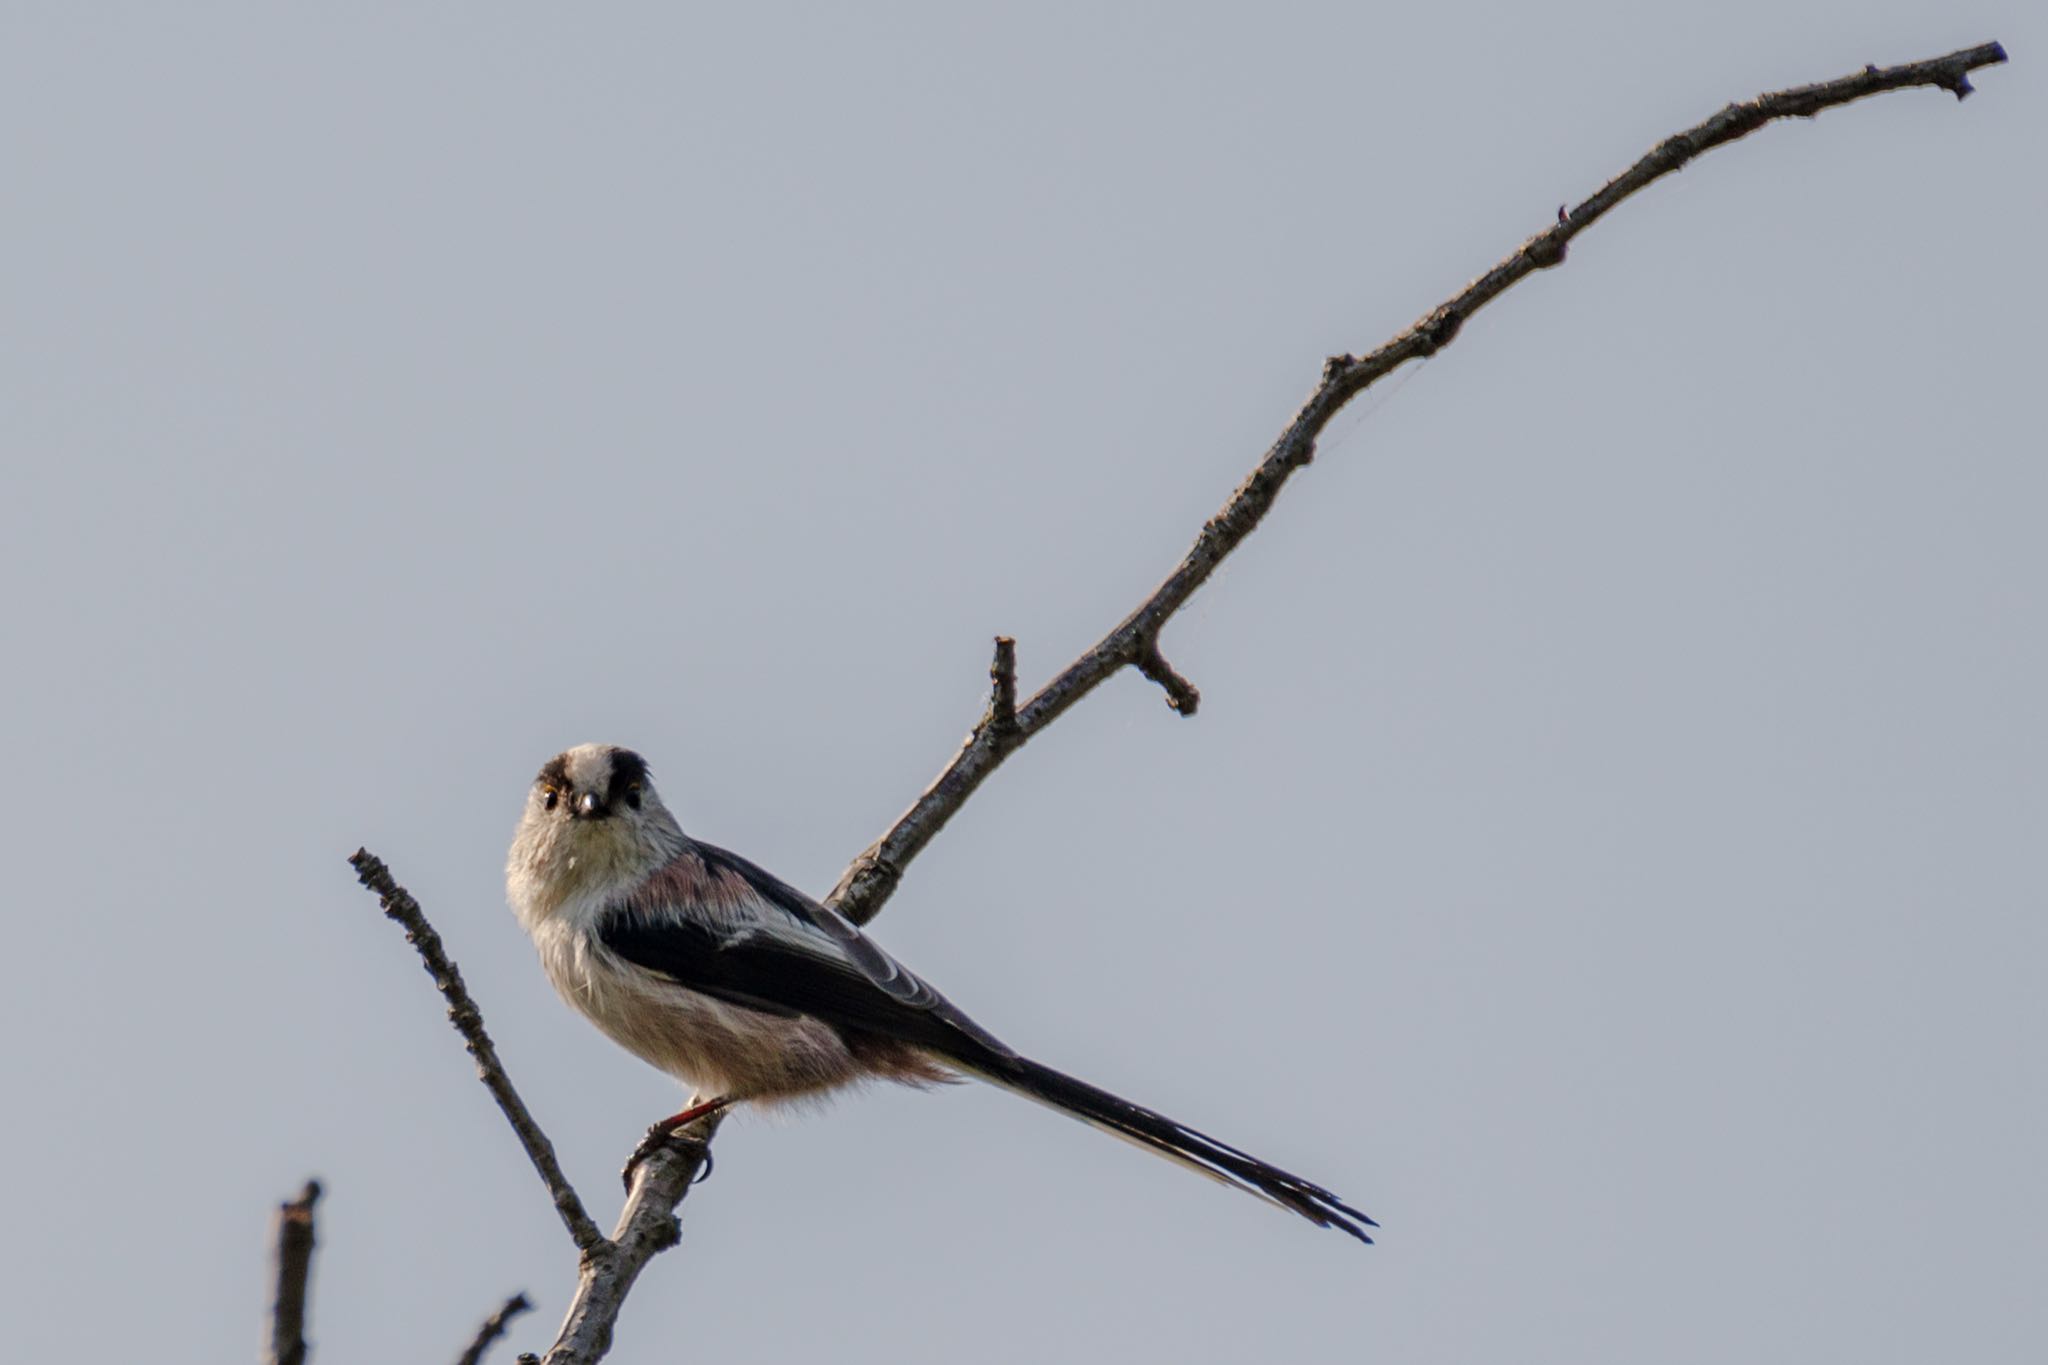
{"x": 1180, "y": 693}
{"x": 871, "y": 878}
{"x": 469, "y": 1021}
{"x": 292, "y": 1234}
{"x": 493, "y": 1328}
{"x": 1002, "y": 688}
{"x": 647, "y": 1225}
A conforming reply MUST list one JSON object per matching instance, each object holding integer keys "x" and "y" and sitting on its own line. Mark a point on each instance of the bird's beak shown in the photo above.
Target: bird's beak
{"x": 588, "y": 804}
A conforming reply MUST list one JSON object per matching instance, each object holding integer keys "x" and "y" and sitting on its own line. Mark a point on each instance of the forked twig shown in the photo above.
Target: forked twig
{"x": 648, "y": 1223}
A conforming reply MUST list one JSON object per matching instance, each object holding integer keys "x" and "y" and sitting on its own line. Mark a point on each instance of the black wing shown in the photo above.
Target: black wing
{"x": 795, "y": 957}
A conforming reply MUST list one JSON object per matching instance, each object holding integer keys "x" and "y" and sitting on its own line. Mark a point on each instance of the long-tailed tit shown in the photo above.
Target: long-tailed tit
{"x": 700, "y": 963}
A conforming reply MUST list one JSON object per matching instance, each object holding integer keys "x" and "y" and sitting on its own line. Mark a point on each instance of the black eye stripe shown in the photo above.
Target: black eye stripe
{"x": 625, "y": 782}
{"x": 629, "y": 770}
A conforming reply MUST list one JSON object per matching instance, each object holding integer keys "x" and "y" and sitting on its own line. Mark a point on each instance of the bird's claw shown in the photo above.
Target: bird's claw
{"x": 664, "y": 1135}
{"x": 656, "y": 1138}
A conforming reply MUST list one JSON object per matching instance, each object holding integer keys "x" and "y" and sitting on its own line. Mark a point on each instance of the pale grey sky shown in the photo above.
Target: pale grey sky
{"x": 1609, "y": 850}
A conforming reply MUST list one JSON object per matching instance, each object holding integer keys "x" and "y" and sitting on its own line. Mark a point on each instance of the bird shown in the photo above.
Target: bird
{"x": 746, "y": 989}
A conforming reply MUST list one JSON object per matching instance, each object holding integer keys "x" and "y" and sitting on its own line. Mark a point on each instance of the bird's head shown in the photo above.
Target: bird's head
{"x": 593, "y": 827}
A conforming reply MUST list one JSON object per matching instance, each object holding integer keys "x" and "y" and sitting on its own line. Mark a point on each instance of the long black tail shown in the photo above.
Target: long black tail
{"x": 1155, "y": 1132}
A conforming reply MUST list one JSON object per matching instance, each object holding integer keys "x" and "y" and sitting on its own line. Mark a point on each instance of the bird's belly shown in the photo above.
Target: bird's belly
{"x": 716, "y": 1047}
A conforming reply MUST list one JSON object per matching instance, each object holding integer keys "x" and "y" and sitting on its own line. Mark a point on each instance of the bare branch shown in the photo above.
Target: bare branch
{"x": 873, "y": 876}
{"x": 648, "y": 1225}
{"x": 293, "y": 1237}
{"x": 493, "y": 1327}
{"x": 469, "y": 1021}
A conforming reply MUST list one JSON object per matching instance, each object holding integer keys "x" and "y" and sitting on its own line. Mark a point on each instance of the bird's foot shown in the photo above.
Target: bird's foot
{"x": 668, "y": 1133}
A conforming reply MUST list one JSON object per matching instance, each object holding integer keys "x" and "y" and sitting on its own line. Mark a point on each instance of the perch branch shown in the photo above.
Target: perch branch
{"x": 293, "y": 1237}
{"x": 647, "y": 1227}
{"x": 872, "y": 877}
{"x": 469, "y": 1022}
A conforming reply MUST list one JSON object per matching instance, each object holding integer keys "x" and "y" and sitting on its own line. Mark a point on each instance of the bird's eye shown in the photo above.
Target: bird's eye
{"x": 551, "y": 799}
{"x": 633, "y": 795}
